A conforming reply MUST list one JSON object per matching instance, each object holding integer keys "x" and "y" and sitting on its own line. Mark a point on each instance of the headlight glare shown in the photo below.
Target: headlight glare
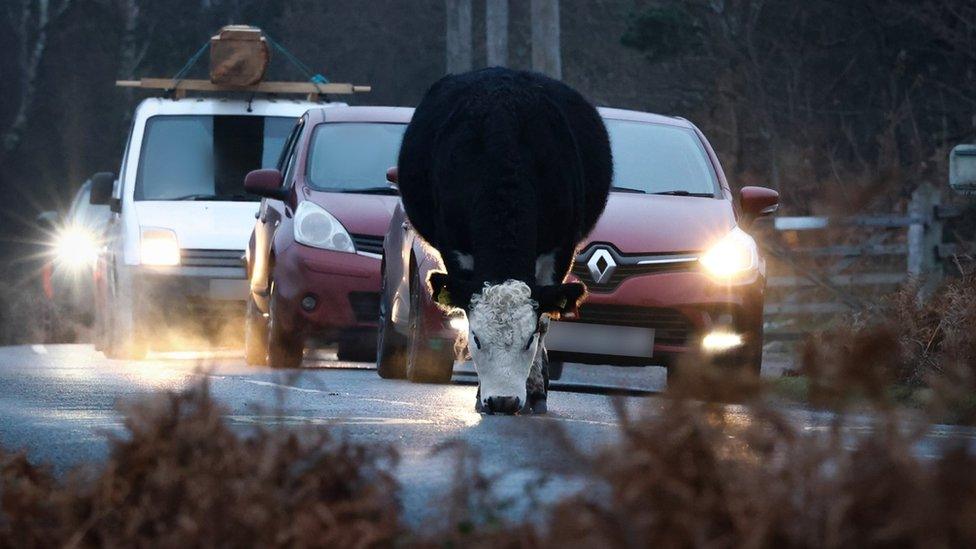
{"x": 318, "y": 228}
{"x": 76, "y": 247}
{"x": 159, "y": 247}
{"x": 732, "y": 256}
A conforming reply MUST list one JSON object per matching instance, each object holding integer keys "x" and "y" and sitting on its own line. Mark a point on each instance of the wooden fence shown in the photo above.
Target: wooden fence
{"x": 820, "y": 269}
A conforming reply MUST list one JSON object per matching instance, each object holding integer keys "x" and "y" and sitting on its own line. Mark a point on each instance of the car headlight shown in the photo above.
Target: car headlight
{"x": 76, "y": 247}
{"x": 731, "y": 257}
{"x": 318, "y": 228}
{"x": 159, "y": 247}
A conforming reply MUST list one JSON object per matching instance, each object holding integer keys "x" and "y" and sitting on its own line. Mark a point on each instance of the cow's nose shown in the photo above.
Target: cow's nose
{"x": 504, "y": 405}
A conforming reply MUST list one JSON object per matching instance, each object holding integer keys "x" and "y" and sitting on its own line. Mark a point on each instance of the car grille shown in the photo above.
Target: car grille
{"x": 211, "y": 258}
{"x": 365, "y": 306}
{"x": 368, "y": 243}
{"x": 623, "y": 272}
{"x": 671, "y": 327}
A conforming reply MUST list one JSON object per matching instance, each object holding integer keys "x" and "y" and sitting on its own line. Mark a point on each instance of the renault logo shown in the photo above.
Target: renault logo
{"x": 601, "y": 266}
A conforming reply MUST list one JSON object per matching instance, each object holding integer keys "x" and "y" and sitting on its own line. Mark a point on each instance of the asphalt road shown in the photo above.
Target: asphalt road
{"x": 60, "y": 403}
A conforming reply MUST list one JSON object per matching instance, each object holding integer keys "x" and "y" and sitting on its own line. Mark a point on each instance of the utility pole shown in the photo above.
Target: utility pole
{"x": 545, "y": 38}
{"x": 496, "y": 32}
{"x": 458, "y": 35}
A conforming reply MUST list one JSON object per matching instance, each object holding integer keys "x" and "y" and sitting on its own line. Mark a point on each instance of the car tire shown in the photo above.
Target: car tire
{"x": 429, "y": 360}
{"x": 255, "y": 335}
{"x": 284, "y": 349}
{"x": 124, "y": 342}
{"x": 391, "y": 346}
{"x": 555, "y": 369}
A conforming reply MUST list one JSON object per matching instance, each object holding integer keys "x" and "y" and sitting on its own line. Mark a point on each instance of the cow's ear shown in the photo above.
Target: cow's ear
{"x": 559, "y": 299}
{"x": 438, "y": 288}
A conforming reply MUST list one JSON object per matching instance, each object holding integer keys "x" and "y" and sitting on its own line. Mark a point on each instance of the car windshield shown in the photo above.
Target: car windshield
{"x": 204, "y": 157}
{"x": 656, "y": 158}
{"x": 353, "y": 156}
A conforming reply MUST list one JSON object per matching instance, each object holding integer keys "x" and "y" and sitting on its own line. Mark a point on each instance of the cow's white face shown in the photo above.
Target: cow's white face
{"x": 503, "y": 337}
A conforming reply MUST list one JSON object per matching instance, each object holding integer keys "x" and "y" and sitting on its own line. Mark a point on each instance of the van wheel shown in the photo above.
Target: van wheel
{"x": 284, "y": 349}
{"x": 124, "y": 341}
{"x": 255, "y": 335}
{"x": 429, "y": 360}
{"x": 391, "y": 347}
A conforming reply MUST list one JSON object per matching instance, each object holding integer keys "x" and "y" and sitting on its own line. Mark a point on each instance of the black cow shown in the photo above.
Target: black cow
{"x": 504, "y": 173}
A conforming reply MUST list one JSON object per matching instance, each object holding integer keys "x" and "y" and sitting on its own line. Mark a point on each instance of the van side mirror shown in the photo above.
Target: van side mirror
{"x": 265, "y": 183}
{"x": 757, "y": 202}
{"x": 962, "y": 168}
{"x": 48, "y": 219}
{"x": 101, "y": 188}
{"x": 392, "y": 176}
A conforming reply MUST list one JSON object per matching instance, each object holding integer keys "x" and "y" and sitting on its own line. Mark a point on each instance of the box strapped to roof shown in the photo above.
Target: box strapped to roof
{"x": 239, "y": 58}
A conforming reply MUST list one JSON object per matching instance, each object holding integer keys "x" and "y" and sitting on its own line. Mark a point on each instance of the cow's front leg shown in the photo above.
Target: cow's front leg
{"x": 537, "y": 386}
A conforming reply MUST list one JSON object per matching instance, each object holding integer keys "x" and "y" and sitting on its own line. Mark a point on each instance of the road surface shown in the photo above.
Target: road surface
{"x": 60, "y": 403}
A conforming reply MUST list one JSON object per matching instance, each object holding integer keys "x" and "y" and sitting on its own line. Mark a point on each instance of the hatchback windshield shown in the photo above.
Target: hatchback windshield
{"x": 202, "y": 157}
{"x": 655, "y": 158}
{"x": 353, "y": 156}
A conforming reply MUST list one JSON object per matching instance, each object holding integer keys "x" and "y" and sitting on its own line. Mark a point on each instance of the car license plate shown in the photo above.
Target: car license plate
{"x": 600, "y": 339}
{"x": 228, "y": 288}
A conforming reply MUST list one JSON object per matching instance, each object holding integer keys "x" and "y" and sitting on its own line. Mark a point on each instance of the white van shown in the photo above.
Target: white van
{"x": 181, "y": 219}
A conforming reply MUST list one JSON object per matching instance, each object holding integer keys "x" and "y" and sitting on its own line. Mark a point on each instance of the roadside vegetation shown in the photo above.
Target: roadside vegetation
{"x": 688, "y": 470}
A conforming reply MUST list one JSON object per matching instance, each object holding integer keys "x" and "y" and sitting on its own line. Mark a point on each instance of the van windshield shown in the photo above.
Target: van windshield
{"x": 205, "y": 157}
{"x": 353, "y": 156}
{"x": 659, "y": 159}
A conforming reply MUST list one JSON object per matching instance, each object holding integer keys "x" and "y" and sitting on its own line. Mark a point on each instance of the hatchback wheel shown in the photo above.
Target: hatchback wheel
{"x": 255, "y": 335}
{"x": 391, "y": 347}
{"x": 284, "y": 349}
{"x": 429, "y": 360}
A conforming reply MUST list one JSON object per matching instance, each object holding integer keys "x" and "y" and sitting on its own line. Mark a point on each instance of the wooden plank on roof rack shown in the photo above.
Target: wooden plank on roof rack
{"x": 306, "y": 88}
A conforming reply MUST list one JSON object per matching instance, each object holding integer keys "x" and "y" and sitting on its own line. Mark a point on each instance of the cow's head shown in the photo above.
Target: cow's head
{"x": 504, "y": 324}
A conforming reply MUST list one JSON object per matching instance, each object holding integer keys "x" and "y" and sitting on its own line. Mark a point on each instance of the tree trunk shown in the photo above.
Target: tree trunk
{"x": 545, "y": 38}
{"x": 458, "y": 35}
{"x": 496, "y": 32}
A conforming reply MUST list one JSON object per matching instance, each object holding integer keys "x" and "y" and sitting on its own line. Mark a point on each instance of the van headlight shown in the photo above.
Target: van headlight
{"x": 731, "y": 257}
{"x": 159, "y": 247}
{"x": 318, "y": 228}
{"x": 76, "y": 247}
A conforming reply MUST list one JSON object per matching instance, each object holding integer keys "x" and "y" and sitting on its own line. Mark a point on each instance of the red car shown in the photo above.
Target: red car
{"x": 313, "y": 260}
{"x": 669, "y": 266}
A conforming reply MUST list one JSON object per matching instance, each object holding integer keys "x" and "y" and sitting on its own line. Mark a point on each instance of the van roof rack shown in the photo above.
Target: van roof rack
{"x": 178, "y": 88}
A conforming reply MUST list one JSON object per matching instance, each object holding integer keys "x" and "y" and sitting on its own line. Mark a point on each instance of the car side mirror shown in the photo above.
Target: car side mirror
{"x": 962, "y": 169}
{"x": 757, "y": 202}
{"x": 102, "y": 184}
{"x": 266, "y": 183}
{"x": 48, "y": 219}
{"x": 392, "y": 176}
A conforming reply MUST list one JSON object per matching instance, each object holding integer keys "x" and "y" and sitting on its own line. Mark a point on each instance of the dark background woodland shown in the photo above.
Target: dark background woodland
{"x": 839, "y": 104}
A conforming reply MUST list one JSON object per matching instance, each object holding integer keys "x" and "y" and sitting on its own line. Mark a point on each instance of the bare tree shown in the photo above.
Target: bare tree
{"x": 496, "y": 32}
{"x": 31, "y": 20}
{"x": 458, "y": 35}
{"x": 546, "y": 57}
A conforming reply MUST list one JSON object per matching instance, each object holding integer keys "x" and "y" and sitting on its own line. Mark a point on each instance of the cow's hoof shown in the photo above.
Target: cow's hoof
{"x": 536, "y": 405}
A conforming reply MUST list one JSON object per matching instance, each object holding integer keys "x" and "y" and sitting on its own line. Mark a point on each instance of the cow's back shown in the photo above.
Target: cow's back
{"x": 504, "y": 165}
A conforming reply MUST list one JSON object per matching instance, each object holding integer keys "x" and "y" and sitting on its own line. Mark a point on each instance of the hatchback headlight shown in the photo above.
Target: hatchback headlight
{"x": 159, "y": 247}
{"x": 731, "y": 257}
{"x": 318, "y": 228}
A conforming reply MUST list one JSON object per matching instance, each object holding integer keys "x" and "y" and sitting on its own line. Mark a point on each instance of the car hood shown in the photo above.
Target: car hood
{"x": 201, "y": 225}
{"x": 640, "y": 223}
{"x": 367, "y": 214}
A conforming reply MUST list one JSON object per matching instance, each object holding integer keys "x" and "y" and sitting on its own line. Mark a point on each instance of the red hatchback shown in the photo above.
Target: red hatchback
{"x": 314, "y": 257}
{"x": 669, "y": 266}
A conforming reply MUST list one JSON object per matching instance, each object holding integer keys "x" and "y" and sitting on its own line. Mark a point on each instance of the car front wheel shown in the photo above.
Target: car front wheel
{"x": 391, "y": 347}
{"x": 284, "y": 349}
{"x": 429, "y": 359}
{"x": 255, "y": 335}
